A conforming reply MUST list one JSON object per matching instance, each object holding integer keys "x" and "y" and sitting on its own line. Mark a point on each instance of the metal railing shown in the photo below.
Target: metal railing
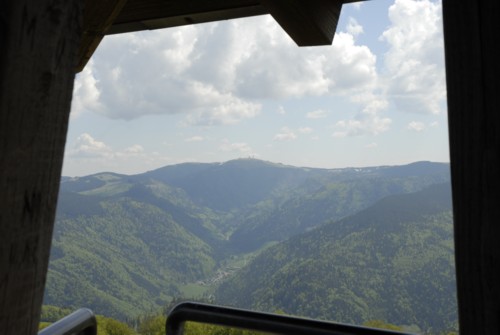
{"x": 80, "y": 322}
{"x": 257, "y": 321}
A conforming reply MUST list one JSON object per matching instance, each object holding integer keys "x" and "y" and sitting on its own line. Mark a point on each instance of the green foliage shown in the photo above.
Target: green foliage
{"x": 152, "y": 325}
{"x": 128, "y": 245}
{"x": 43, "y": 325}
{"x": 51, "y": 314}
{"x": 109, "y": 326}
{"x": 323, "y": 198}
{"x": 124, "y": 261}
{"x": 392, "y": 262}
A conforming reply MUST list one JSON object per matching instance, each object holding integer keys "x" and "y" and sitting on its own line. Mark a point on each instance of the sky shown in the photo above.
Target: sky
{"x": 242, "y": 88}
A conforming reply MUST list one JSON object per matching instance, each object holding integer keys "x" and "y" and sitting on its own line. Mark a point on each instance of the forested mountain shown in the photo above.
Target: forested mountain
{"x": 393, "y": 261}
{"x": 127, "y": 244}
{"x": 124, "y": 258}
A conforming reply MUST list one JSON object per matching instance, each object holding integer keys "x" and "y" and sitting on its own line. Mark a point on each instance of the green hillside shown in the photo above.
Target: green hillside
{"x": 122, "y": 257}
{"x": 125, "y": 245}
{"x": 301, "y": 209}
{"x": 392, "y": 262}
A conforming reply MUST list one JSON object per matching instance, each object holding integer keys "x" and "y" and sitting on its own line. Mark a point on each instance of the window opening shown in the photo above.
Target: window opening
{"x": 220, "y": 162}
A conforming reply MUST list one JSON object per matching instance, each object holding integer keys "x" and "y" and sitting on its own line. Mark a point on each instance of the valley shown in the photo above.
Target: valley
{"x": 341, "y": 244}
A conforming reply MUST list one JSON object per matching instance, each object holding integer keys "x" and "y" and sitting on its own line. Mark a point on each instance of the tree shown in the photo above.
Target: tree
{"x": 153, "y": 325}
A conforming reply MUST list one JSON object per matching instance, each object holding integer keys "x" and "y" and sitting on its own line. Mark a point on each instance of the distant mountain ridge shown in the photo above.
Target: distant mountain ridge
{"x": 128, "y": 243}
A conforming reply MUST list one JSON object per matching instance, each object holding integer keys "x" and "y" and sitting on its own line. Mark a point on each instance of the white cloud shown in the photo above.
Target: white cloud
{"x": 351, "y": 67}
{"x": 135, "y": 149}
{"x": 415, "y": 60}
{"x": 416, "y": 126}
{"x": 87, "y": 146}
{"x": 368, "y": 121}
{"x": 85, "y": 93}
{"x": 214, "y": 73}
{"x": 317, "y": 114}
{"x": 216, "y": 108}
{"x": 371, "y": 145}
{"x": 87, "y": 153}
{"x": 353, "y": 27}
{"x": 285, "y": 134}
{"x": 240, "y": 147}
{"x": 372, "y": 125}
{"x": 148, "y": 73}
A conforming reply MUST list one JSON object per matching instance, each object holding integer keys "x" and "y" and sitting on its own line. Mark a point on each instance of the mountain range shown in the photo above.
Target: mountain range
{"x": 127, "y": 244}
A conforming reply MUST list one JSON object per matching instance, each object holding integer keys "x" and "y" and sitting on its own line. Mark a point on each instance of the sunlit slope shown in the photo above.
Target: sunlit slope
{"x": 391, "y": 262}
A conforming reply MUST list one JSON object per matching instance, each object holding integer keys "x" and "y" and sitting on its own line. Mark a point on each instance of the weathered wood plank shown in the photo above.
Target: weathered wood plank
{"x": 473, "y": 79}
{"x": 308, "y": 23}
{"x": 39, "y": 41}
{"x": 155, "y": 14}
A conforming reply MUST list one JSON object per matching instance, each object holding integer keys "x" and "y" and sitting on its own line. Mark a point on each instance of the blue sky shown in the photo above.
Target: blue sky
{"x": 242, "y": 88}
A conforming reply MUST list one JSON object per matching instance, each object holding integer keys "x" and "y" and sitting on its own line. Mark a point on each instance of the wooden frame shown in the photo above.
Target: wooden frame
{"x": 40, "y": 43}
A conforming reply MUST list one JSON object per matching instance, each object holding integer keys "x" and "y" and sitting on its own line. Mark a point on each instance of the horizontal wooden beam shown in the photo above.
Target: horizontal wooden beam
{"x": 156, "y": 14}
{"x": 308, "y": 23}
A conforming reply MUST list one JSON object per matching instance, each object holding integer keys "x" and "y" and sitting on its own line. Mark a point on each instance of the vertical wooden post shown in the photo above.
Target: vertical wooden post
{"x": 473, "y": 83}
{"x": 38, "y": 42}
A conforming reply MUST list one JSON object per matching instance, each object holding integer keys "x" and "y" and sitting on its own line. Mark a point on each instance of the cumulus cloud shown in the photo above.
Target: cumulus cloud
{"x": 134, "y": 149}
{"x": 216, "y": 73}
{"x": 240, "y": 147}
{"x": 285, "y": 134}
{"x": 87, "y": 146}
{"x": 416, "y": 126}
{"x": 362, "y": 126}
{"x": 353, "y": 27}
{"x": 220, "y": 73}
{"x": 85, "y": 93}
{"x": 368, "y": 121}
{"x": 87, "y": 151}
{"x": 415, "y": 60}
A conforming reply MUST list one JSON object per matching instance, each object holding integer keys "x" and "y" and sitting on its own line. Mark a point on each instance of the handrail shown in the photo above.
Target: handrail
{"x": 80, "y": 322}
{"x": 258, "y": 321}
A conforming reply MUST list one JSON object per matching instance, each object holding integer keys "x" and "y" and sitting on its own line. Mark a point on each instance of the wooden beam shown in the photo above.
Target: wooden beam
{"x": 98, "y": 17}
{"x": 473, "y": 79}
{"x": 39, "y": 41}
{"x": 308, "y": 23}
{"x": 155, "y": 14}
